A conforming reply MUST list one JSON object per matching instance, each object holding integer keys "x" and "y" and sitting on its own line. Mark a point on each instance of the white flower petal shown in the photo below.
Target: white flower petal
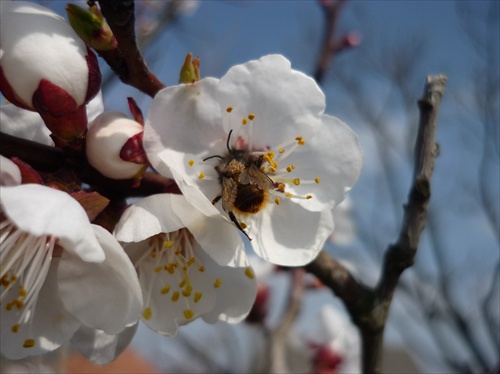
{"x": 99, "y": 347}
{"x": 41, "y": 210}
{"x": 147, "y": 217}
{"x": 24, "y": 124}
{"x": 290, "y": 235}
{"x": 51, "y": 325}
{"x": 10, "y": 175}
{"x": 334, "y": 156}
{"x": 105, "y": 296}
{"x": 286, "y": 102}
{"x": 218, "y": 237}
{"x": 236, "y": 295}
{"x": 182, "y": 122}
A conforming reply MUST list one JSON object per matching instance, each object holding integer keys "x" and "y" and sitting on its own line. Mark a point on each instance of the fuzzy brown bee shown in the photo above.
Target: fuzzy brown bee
{"x": 245, "y": 187}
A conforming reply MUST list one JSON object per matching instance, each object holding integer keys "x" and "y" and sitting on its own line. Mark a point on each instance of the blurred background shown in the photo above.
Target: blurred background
{"x": 445, "y": 316}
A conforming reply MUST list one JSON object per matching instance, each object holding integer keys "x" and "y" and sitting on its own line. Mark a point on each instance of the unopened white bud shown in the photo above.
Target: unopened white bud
{"x": 107, "y": 135}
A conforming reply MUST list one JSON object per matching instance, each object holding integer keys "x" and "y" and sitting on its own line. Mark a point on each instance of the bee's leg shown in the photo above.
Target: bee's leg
{"x": 237, "y": 223}
{"x": 216, "y": 199}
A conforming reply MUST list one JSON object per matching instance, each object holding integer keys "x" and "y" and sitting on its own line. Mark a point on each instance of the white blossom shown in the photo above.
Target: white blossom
{"x": 293, "y": 164}
{"x": 58, "y": 273}
{"x": 169, "y": 243}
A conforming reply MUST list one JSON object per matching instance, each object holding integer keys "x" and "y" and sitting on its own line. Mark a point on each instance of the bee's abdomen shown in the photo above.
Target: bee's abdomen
{"x": 250, "y": 199}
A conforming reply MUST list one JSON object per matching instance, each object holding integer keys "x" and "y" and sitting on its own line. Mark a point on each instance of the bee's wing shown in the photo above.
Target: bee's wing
{"x": 229, "y": 191}
{"x": 253, "y": 175}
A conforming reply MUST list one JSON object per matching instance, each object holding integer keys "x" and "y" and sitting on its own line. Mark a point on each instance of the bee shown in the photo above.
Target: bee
{"x": 245, "y": 187}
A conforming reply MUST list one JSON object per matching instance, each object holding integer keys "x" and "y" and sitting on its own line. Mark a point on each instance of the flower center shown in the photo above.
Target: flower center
{"x": 173, "y": 260}
{"x": 252, "y": 177}
{"x": 25, "y": 262}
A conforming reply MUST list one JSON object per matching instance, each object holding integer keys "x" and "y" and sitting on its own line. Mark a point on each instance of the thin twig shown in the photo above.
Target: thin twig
{"x": 126, "y": 61}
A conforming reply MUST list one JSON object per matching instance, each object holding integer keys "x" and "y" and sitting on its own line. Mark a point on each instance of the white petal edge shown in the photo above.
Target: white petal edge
{"x": 104, "y": 296}
{"x": 41, "y": 210}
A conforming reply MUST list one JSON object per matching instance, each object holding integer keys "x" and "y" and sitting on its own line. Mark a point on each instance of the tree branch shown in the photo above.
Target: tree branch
{"x": 126, "y": 61}
{"x": 369, "y": 308}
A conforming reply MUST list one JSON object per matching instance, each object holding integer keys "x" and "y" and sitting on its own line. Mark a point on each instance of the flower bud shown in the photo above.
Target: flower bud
{"x": 114, "y": 146}
{"x": 190, "y": 71}
{"x": 46, "y": 68}
{"x": 91, "y": 27}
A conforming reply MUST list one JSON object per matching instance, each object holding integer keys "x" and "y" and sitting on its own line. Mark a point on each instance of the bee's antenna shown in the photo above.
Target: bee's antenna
{"x": 228, "y": 139}
{"x": 214, "y": 156}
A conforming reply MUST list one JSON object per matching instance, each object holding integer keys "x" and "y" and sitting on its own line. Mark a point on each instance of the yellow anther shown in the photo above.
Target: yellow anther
{"x": 277, "y": 201}
{"x": 170, "y": 268}
{"x": 309, "y": 197}
{"x": 296, "y": 181}
{"x": 175, "y": 296}
{"x": 298, "y": 138}
{"x": 22, "y": 291}
{"x": 201, "y": 269}
{"x": 19, "y": 304}
{"x": 281, "y": 150}
{"x": 316, "y": 179}
{"x": 192, "y": 260}
{"x": 29, "y": 343}
{"x": 197, "y": 296}
{"x": 168, "y": 243}
{"x": 202, "y": 175}
{"x": 301, "y": 142}
{"x": 188, "y": 314}
{"x": 244, "y": 121}
{"x": 217, "y": 283}
{"x": 165, "y": 289}
{"x": 158, "y": 269}
{"x": 9, "y": 306}
{"x": 186, "y": 292}
{"x": 15, "y": 328}
{"x": 281, "y": 187}
{"x": 191, "y": 162}
{"x": 243, "y": 225}
{"x": 251, "y": 116}
{"x": 289, "y": 168}
{"x": 153, "y": 254}
{"x": 229, "y": 109}
{"x": 177, "y": 252}
{"x": 182, "y": 283}
{"x": 147, "y": 313}
{"x": 272, "y": 169}
{"x": 270, "y": 154}
{"x": 288, "y": 195}
{"x": 249, "y": 272}
{"x": 13, "y": 278}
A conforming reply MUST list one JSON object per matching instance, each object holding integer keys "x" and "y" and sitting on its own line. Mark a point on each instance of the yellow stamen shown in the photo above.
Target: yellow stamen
{"x": 191, "y": 162}
{"x": 188, "y": 314}
{"x": 147, "y": 313}
{"x": 217, "y": 283}
{"x": 281, "y": 150}
{"x": 197, "y": 296}
{"x": 15, "y": 328}
{"x": 251, "y": 116}
{"x": 201, "y": 269}
{"x": 175, "y": 296}
{"x": 165, "y": 289}
{"x": 281, "y": 187}
{"x": 316, "y": 179}
{"x": 229, "y": 109}
{"x": 277, "y": 201}
{"x": 29, "y": 343}
{"x": 244, "y": 121}
{"x": 309, "y": 197}
{"x": 202, "y": 175}
{"x": 296, "y": 181}
{"x": 249, "y": 272}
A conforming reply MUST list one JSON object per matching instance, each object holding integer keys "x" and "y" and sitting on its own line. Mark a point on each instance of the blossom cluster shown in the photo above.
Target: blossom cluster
{"x": 255, "y": 160}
